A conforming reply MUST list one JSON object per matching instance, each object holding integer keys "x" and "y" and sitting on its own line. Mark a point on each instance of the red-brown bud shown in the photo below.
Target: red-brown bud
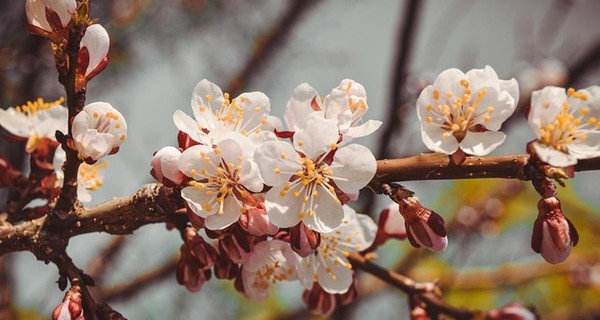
{"x": 189, "y": 272}
{"x": 318, "y": 301}
{"x": 391, "y": 225}
{"x": 236, "y": 246}
{"x": 199, "y": 249}
{"x": 304, "y": 240}
{"x": 70, "y": 308}
{"x": 553, "y": 233}
{"x": 225, "y": 269}
{"x": 424, "y": 227}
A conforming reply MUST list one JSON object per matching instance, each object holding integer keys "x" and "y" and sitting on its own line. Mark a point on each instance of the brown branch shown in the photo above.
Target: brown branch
{"x": 97, "y": 267}
{"x": 127, "y": 290}
{"x": 411, "y": 288}
{"x": 268, "y": 44}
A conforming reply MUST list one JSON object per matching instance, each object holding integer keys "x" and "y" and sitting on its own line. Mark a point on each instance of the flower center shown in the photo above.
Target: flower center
{"x": 106, "y": 122}
{"x": 459, "y": 114}
{"x": 220, "y": 183}
{"x": 89, "y": 175}
{"x": 271, "y": 273}
{"x": 567, "y": 127}
{"x": 231, "y": 115}
{"x": 33, "y": 107}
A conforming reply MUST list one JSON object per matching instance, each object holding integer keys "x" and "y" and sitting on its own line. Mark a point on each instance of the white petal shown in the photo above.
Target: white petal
{"x": 283, "y": 210}
{"x": 511, "y": 87}
{"x": 553, "y": 157}
{"x": 316, "y": 136}
{"x": 189, "y": 126}
{"x": 504, "y": 106}
{"x": 46, "y": 122}
{"x": 306, "y": 271}
{"x": 364, "y": 129}
{"x": 328, "y": 213}
{"x": 256, "y": 107}
{"x": 545, "y": 106}
{"x": 434, "y": 139}
{"x": 299, "y": 106}
{"x": 97, "y": 42}
{"x": 15, "y": 122}
{"x": 483, "y": 78}
{"x": 231, "y": 214}
{"x": 277, "y": 162}
{"x": 353, "y": 167}
{"x": 36, "y": 14}
{"x": 63, "y": 8}
{"x": 449, "y": 81}
{"x": 481, "y": 143}
{"x": 250, "y": 177}
{"x": 202, "y": 108}
{"x": 192, "y": 164}
{"x": 195, "y": 198}
{"x": 336, "y": 281}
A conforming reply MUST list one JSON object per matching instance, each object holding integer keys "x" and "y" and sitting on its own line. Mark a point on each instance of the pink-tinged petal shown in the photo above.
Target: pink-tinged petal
{"x": 552, "y": 156}
{"x": 365, "y": 232}
{"x": 231, "y": 214}
{"x": 364, "y": 129}
{"x": 481, "y": 143}
{"x": 250, "y": 177}
{"x": 169, "y": 159}
{"x": 434, "y": 139}
{"x": 189, "y": 126}
{"x": 15, "y": 122}
{"x": 353, "y": 167}
{"x": 328, "y": 213}
{"x": 36, "y": 14}
{"x": 230, "y": 151}
{"x": 64, "y": 9}
{"x": 97, "y": 42}
{"x": 195, "y": 198}
{"x": 277, "y": 162}
{"x": 394, "y": 222}
{"x": 317, "y": 136}
{"x": 206, "y": 98}
{"x": 283, "y": 210}
{"x": 306, "y": 271}
{"x": 300, "y": 106}
{"x": 338, "y": 279}
{"x": 549, "y": 249}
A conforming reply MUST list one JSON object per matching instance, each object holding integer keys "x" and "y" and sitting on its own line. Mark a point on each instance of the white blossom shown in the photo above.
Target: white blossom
{"x": 466, "y": 111}
{"x": 98, "y": 130}
{"x": 347, "y": 104}
{"x": 270, "y": 262}
{"x": 222, "y": 175}
{"x": 566, "y": 124}
{"x": 96, "y": 43}
{"x": 35, "y": 120}
{"x": 215, "y": 113}
{"x": 329, "y": 265}
{"x": 307, "y": 176}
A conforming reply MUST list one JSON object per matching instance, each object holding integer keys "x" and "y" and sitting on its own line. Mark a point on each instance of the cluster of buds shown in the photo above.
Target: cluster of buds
{"x": 196, "y": 260}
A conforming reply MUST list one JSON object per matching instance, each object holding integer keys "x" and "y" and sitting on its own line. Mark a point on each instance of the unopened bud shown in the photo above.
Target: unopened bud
{"x": 418, "y": 313}
{"x": 511, "y": 311}
{"x": 424, "y": 227}
{"x": 553, "y": 233}
{"x": 225, "y": 269}
{"x": 199, "y": 249}
{"x": 189, "y": 273}
{"x": 236, "y": 246}
{"x": 319, "y": 302}
{"x": 164, "y": 167}
{"x": 256, "y": 221}
{"x": 70, "y": 308}
{"x": 304, "y": 240}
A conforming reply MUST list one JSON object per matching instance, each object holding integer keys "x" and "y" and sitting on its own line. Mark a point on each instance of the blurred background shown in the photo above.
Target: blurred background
{"x": 161, "y": 49}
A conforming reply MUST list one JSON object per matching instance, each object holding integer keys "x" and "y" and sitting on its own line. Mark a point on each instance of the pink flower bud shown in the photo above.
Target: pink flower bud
{"x": 511, "y": 311}
{"x": 225, "y": 269}
{"x": 93, "y": 53}
{"x": 319, "y": 302}
{"x": 553, "y": 233}
{"x": 203, "y": 252}
{"x": 70, "y": 308}
{"x": 303, "y": 240}
{"x": 236, "y": 246}
{"x": 425, "y": 228}
{"x": 418, "y": 313}
{"x": 44, "y": 16}
{"x": 164, "y": 167}
{"x": 256, "y": 221}
{"x": 391, "y": 225}
{"x": 189, "y": 272}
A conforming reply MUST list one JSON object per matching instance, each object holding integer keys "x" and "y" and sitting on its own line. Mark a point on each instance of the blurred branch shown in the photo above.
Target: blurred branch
{"x": 6, "y": 308}
{"x": 101, "y": 262}
{"x": 128, "y": 290}
{"x": 267, "y": 45}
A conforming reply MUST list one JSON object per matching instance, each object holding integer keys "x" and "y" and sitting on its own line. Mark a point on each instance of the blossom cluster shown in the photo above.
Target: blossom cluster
{"x": 275, "y": 197}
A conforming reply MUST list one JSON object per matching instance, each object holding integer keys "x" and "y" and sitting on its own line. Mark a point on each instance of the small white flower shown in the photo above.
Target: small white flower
{"x": 566, "y": 124}
{"x": 37, "y": 15}
{"x": 93, "y": 50}
{"x": 271, "y": 262}
{"x": 98, "y": 130}
{"x": 222, "y": 175}
{"x": 466, "y": 111}
{"x": 329, "y": 265}
{"x": 214, "y": 112}
{"x": 347, "y": 104}
{"x": 165, "y": 166}
{"x": 305, "y": 177}
{"x": 89, "y": 177}
{"x": 35, "y": 120}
